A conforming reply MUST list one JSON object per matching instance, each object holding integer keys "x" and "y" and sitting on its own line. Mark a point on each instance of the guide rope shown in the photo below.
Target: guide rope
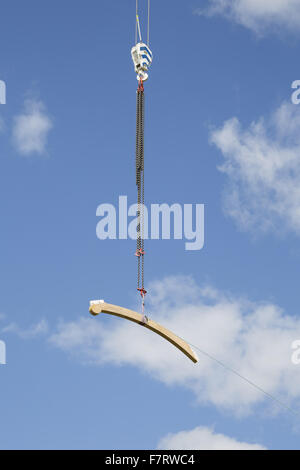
{"x": 245, "y": 379}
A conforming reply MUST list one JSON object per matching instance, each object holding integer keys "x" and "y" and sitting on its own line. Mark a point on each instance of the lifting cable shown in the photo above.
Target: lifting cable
{"x": 148, "y": 32}
{"x": 136, "y": 22}
{"x": 245, "y": 379}
{"x": 138, "y": 26}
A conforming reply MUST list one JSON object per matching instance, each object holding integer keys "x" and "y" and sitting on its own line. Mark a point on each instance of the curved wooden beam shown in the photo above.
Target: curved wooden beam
{"x": 98, "y": 307}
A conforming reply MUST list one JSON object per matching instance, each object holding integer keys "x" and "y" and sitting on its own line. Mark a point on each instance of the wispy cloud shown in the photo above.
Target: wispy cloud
{"x": 31, "y": 129}
{"x": 253, "y": 338}
{"x": 260, "y": 16}
{"x": 202, "y": 438}
{"x": 263, "y": 168}
{"x": 40, "y": 328}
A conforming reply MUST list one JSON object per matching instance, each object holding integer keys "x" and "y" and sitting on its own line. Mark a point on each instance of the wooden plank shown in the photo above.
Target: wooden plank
{"x": 102, "y": 307}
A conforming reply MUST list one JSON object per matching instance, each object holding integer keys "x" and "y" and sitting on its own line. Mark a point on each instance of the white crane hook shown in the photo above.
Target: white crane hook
{"x": 142, "y": 59}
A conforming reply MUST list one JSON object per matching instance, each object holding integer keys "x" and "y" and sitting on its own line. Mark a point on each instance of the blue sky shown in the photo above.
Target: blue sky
{"x": 220, "y": 131}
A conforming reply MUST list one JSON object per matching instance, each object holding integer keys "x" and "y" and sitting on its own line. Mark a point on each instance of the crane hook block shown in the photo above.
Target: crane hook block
{"x": 142, "y": 59}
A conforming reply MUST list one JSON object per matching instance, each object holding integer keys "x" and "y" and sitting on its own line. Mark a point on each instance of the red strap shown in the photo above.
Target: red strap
{"x": 143, "y": 292}
{"x": 141, "y": 85}
{"x": 140, "y": 253}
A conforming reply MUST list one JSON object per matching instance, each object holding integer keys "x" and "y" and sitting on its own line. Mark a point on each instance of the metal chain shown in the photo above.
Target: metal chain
{"x": 138, "y": 164}
{"x": 143, "y": 231}
{"x": 140, "y": 184}
{"x": 143, "y": 193}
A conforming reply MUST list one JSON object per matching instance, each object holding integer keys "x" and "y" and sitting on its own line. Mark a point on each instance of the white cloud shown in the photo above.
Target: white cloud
{"x": 257, "y": 15}
{"x": 253, "y": 338}
{"x": 262, "y": 163}
{"x": 31, "y": 128}
{"x": 40, "y": 328}
{"x": 203, "y": 438}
